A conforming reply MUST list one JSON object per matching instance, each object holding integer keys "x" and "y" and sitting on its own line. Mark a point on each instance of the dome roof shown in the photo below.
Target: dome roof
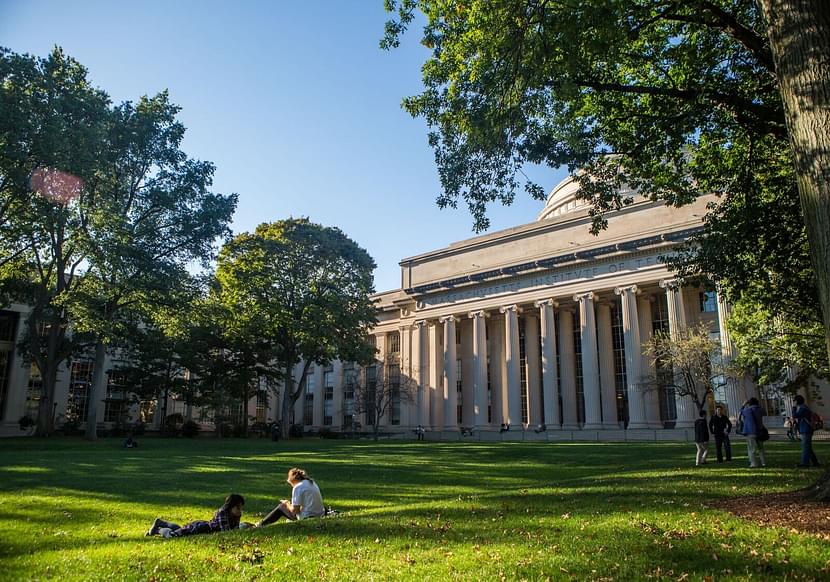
{"x": 562, "y": 199}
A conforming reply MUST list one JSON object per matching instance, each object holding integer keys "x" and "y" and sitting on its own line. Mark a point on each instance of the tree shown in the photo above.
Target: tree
{"x": 383, "y": 389}
{"x": 303, "y": 290}
{"x": 148, "y": 216}
{"x": 666, "y": 99}
{"x": 52, "y": 123}
{"x": 694, "y": 360}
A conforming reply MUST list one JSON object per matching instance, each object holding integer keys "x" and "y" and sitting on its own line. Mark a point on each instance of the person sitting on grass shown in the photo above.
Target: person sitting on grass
{"x": 225, "y": 519}
{"x": 306, "y": 500}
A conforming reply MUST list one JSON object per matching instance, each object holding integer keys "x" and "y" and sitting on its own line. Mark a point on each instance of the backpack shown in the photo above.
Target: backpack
{"x": 815, "y": 422}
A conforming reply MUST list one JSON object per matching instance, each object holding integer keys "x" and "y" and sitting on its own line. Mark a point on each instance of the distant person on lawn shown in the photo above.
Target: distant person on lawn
{"x": 802, "y": 415}
{"x": 753, "y": 420}
{"x": 720, "y": 426}
{"x": 225, "y": 519}
{"x": 306, "y": 500}
{"x": 701, "y": 439}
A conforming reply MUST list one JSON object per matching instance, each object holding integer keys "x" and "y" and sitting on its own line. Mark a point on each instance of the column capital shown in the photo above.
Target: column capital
{"x": 672, "y": 284}
{"x": 419, "y": 323}
{"x": 478, "y": 313}
{"x": 588, "y": 296}
{"x": 448, "y": 318}
{"x": 506, "y": 308}
{"x": 633, "y": 289}
{"x": 546, "y": 302}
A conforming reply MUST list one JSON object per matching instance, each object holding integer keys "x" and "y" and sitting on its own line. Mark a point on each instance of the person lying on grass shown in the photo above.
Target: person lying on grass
{"x": 306, "y": 500}
{"x": 225, "y": 519}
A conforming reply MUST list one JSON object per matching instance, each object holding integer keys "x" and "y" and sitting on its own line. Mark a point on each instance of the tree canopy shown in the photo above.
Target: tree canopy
{"x": 303, "y": 290}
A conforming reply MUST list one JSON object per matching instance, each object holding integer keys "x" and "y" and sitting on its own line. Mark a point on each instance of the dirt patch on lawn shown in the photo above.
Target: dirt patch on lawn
{"x": 790, "y": 510}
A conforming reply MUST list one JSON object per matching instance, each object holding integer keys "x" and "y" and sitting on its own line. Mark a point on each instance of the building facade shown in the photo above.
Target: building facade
{"x": 531, "y": 332}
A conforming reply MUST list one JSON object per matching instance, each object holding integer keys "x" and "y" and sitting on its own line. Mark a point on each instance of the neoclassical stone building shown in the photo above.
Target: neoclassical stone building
{"x": 538, "y": 327}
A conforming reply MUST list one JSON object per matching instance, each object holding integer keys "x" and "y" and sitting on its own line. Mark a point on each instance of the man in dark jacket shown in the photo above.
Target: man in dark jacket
{"x": 701, "y": 439}
{"x": 720, "y": 426}
{"x": 802, "y": 415}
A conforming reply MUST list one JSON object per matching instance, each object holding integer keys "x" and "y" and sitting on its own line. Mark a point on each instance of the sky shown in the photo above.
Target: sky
{"x": 294, "y": 102}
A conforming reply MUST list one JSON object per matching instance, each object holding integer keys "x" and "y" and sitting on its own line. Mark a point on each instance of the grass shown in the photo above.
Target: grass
{"x": 73, "y": 510}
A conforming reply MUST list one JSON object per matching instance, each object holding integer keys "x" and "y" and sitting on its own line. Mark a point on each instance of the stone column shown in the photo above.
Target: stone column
{"x": 407, "y": 408}
{"x": 734, "y": 391}
{"x": 686, "y": 413}
{"x": 511, "y": 352}
{"x": 633, "y": 356}
{"x": 419, "y": 376}
{"x": 550, "y": 396}
{"x": 534, "y": 371}
{"x": 567, "y": 369}
{"x": 467, "y": 373}
{"x": 651, "y": 398}
{"x": 590, "y": 362}
{"x": 498, "y": 373}
{"x": 607, "y": 380}
{"x": 450, "y": 390}
{"x": 436, "y": 373}
{"x": 337, "y": 396}
{"x": 479, "y": 368}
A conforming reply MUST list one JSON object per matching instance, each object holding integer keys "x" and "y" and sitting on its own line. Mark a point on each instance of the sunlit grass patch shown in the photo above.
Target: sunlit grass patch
{"x": 72, "y": 510}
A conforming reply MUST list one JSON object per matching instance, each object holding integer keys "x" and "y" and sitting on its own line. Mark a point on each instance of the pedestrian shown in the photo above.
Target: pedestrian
{"x": 701, "y": 439}
{"x": 803, "y": 416}
{"x": 752, "y": 416}
{"x": 226, "y": 518}
{"x": 721, "y": 426}
{"x": 306, "y": 500}
{"x": 419, "y": 431}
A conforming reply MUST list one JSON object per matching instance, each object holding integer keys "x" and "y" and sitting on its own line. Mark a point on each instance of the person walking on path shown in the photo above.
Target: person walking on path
{"x": 752, "y": 416}
{"x": 721, "y": 426}
{"x": 803, "y": 415}
{"x": 701, "y": 439}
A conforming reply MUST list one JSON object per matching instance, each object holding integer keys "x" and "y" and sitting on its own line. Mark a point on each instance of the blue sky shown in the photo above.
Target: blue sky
{"x": 293, "y": 101}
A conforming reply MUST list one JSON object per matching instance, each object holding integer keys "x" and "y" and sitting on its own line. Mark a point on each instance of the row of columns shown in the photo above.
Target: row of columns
{"x": 433, "y": 365}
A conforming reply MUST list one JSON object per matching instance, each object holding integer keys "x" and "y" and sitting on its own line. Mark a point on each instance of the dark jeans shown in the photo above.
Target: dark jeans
{"x": 808, "y": 457}
{"x": 276, "y": 513}
{"x": 722, "y": 442}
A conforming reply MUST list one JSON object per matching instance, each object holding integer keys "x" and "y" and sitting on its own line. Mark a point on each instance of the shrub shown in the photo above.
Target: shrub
{"x": 190, "y": 429}
{"x": 26, "y": 422}
{"x": 295, "y": 431}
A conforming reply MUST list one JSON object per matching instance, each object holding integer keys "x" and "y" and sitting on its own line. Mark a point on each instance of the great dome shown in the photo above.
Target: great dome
{"x": 562, "y": 199}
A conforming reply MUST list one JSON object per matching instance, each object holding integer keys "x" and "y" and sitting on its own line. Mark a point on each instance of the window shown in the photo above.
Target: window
{"x": 708, "y": 302}
{"x": 349, "y": 383}
{"x": 33, "y": 392}
{"x": 660, "y": 323}
{"x": 580, "y": 384}
{"x": 80, "y": 383}
{"x": 147, "y": 410}
{"x": 394, "y": 395}
{"x": 8, "y": 322}
{"x": 371, "y": 393}
{"x": 393, "y": 343}
{"x": 328, "y": 397}
{"x": 261, "y": 406}
{"x": 308, "y": 410}
{"x": 618, "y": 342}
{"x": 115, "y": 405}
{"x": 523, "y": 370}
{"x": 459, "y": 417}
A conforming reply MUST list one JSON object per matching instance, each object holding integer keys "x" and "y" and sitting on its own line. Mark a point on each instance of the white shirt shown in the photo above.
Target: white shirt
{"x": 307, "y": 494}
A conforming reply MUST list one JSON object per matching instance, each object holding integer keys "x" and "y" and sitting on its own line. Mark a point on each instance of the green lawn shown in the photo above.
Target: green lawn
{"x": 72, "y": 510}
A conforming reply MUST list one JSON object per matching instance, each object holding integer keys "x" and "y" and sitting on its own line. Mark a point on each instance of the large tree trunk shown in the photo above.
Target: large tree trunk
{"x": 799, "y": 34}
{"x": 48, "y": 367}
{"x": 99, "y": 389}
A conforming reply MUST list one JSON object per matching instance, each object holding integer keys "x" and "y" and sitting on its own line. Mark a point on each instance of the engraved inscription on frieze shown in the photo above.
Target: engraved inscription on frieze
{"x": 541, "y": 280}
